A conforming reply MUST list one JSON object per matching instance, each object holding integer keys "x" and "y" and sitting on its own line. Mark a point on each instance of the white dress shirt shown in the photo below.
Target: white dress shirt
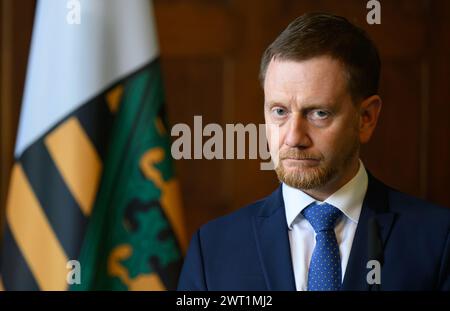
{"x": 302, "y": 238}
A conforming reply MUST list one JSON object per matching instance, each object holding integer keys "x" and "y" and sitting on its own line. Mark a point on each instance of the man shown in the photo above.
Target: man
{"x": 330, "y": 225}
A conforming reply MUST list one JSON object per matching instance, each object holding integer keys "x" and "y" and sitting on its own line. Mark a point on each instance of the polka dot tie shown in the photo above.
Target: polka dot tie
{"x": 325, "y": 268}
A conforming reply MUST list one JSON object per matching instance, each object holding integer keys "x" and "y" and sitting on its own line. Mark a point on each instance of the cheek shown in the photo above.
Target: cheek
{"x": 332, "y": 142}
{"x": 274, "y": 134}
{"x": 325, "y": 143}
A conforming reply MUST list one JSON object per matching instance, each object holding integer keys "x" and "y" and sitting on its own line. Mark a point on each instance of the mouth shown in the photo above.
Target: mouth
{"x": 300, "y": 161}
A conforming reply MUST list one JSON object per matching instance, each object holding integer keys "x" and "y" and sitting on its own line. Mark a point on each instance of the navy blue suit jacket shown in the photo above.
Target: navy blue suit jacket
{"x": 249, "y": 249}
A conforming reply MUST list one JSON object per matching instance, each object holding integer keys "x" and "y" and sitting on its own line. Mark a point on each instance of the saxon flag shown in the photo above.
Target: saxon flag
{"x": 93, "y": 179}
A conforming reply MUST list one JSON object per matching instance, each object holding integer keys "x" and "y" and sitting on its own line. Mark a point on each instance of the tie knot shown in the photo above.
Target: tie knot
{"x": 322, "y": 217}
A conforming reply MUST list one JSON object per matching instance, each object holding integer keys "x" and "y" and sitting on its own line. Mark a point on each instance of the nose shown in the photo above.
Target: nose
{"x": 297, "y": 135}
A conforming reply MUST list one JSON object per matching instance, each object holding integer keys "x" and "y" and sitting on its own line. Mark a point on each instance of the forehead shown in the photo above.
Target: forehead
{"x": 320, "y": 79}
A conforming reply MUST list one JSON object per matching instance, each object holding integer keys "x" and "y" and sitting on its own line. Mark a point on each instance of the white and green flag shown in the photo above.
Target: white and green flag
{"x": 93, "y": 181}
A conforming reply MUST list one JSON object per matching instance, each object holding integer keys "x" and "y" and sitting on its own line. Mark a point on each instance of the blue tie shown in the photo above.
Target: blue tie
{"x": 325, "y": 267}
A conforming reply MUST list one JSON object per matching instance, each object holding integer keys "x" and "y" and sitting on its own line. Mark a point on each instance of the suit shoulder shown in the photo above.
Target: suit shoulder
{"x": 235, "y": 219}
{"x": 403, "y": 203}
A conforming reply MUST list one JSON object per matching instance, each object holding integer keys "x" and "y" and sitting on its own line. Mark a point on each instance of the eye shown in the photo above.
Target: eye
{"x": 279, "y": 111}
{"x": 318, "y": 115}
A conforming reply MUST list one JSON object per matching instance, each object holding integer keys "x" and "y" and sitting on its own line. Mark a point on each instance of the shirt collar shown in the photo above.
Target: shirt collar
{"x": 348, "y": 198}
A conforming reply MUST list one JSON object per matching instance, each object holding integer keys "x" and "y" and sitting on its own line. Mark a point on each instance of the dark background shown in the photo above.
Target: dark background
{"x": 210, "y": 52}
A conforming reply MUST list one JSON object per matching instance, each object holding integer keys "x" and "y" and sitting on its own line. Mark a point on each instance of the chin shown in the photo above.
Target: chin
{"x": 305, "y": 177}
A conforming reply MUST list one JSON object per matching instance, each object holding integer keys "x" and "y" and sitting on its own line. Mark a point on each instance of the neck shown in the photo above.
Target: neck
{"x": 334, "y": 184}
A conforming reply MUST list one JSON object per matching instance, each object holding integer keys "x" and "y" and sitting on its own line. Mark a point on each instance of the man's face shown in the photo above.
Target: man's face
{"x": 309, "y": 104}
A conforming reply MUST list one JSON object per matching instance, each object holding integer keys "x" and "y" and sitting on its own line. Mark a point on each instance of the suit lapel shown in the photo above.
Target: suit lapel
{"x": 375, "y": 206}
{"x": 272, "y": 240}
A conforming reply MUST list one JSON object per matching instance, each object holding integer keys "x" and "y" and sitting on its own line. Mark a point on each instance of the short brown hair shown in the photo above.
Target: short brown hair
{"x": 317, "y": 34}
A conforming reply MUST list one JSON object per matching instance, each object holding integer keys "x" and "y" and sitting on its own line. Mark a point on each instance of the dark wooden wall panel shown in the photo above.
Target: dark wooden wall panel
{"x": 393, "y": 153}
{"x": 256, "y": 25}
{"x": 438, "y": 131}
{"x": 188, "y": 96}
{"x": 193, "y": 28}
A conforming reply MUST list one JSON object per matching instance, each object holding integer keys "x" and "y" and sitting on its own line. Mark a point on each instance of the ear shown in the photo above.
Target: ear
{"x": 368, "y": 116}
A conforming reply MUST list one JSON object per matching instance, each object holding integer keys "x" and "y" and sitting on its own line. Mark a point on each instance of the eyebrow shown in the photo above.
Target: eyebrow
{"x": 306, "y": 106}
